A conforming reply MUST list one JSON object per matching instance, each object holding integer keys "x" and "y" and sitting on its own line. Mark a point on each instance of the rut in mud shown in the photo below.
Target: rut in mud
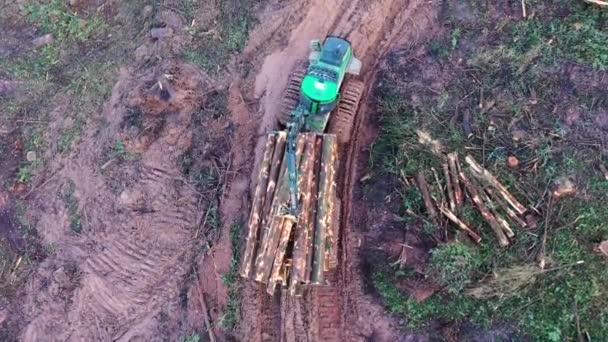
{"x": 113, "y": 282}
{"x": 339, "y": 311}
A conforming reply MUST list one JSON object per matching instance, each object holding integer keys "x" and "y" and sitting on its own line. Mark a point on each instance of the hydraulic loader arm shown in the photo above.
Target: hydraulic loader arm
{"x": 294, "y": 127}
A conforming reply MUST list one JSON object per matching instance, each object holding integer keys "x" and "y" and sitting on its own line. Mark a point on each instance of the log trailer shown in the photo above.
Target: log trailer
{"x": 293, "y": 224}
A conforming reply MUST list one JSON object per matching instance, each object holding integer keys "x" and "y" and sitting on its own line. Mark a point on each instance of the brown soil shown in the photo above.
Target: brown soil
{"x": 127, "y": 275}
{"x": 341, "y": 311}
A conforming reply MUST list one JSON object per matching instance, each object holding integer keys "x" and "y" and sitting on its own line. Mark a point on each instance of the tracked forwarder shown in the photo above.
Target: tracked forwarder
{"x": 293, "y": 225}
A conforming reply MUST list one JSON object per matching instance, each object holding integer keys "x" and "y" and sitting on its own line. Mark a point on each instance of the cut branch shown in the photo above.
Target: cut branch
{"x": 487, "y": 215}
{"x": 501, "y": 202}
{"x": 484, "y": 175}
{"x": 452, "y": 217}
{"x": 439, "y": 187}
{"x": 453, "y": 165}
{"x": 493, "y": 209}
{"x": 449, "y": 188}
{"x": 424, "y": 190}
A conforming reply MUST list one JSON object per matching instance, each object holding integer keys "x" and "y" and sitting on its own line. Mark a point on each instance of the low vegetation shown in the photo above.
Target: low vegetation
{"x": 216, "y": 40}
{"x": 496, "y": 85}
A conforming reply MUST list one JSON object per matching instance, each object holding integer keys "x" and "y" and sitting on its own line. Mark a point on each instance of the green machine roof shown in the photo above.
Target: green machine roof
{"x": 318, "y": 89}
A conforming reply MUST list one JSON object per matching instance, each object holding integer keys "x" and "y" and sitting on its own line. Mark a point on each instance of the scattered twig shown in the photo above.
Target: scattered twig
{"x": 604, "y": 170}
{"x": 487, "y": 215}
{"x": 450, "y": 215}
{"x": 43, "y": 184}
{"x": 597, "y": 2}
{"x": 201, "y": 298}
{"x": 543, "y": 247}
{"x": 523, "y": 8}
{"x": 485, "y": 175}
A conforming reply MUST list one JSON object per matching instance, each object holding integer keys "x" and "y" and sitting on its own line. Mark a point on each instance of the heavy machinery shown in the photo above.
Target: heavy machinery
{"x": 293, "y": 225}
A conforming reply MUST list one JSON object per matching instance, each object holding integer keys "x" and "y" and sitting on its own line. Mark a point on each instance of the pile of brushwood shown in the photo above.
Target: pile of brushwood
{"x": 498, "y": 207}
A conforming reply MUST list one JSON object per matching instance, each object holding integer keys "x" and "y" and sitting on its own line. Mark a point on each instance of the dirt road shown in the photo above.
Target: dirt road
{"x": 125, "y": 225}
{"x": 341, "y": 311}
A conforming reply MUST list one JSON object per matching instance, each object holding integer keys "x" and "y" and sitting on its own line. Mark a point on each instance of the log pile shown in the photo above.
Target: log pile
{"x": 475, "y": 184}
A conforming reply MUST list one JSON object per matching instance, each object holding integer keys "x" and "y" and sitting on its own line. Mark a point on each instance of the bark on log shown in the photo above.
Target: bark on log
{"x": 264, "y": 262}
{"x": 255, "y": 217}
{"x": 304, "y": 228}
{"x": 487, "y": 215}
{"x": 277, "y": 164}
{"x": 485, "y": 175}
{"x": 311, "y": 237}
{"x": 452, "y": 217}
{"x": 454, "y": 170}
{"x": 279, "y": 258}
{"x": 324, "y": 207}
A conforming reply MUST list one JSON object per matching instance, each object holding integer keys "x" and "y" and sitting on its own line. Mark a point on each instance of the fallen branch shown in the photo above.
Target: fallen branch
{"x": 201, "y": 298}
{"x": 454, "y": 170}
{"x": 428, "y": 203}
{"x": 484, "y": 175}
{"x": 449, "y": 188}
{"x": 597, "y": 2}
{"x": 450, "y": 215}
{"x": 439, "y": 187}
{"x": 487, "y": 215}
{"x": 604, "y": 171}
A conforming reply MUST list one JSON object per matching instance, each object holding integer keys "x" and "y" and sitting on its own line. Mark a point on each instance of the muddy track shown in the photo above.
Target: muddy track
{"x": 330, "y": 313}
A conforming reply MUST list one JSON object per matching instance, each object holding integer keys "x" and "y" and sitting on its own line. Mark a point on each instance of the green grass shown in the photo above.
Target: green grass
{"x": 231, "y": 280}
{"x": 192, "y": 338}
{"x": 511, "y": 76}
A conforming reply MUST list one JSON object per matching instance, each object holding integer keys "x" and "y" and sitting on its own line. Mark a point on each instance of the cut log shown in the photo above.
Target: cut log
{"x": 487, "y": 215}
{"x": 453, "y": 165}
{"x": 463, "y": 226}
{"x": 426, "y": 197}
{"x": 255, "y": 218}
{"x": 304, "y": 227}
{"x": 277, "y": 267}
{"x": 276, "y": 167}
{"x": 449, "y": 187}
{"x": 312, "y": 237}
{"x": 324, "y": 208}
{"x": 265, "y": 259}
{"x": 485, "y": 176}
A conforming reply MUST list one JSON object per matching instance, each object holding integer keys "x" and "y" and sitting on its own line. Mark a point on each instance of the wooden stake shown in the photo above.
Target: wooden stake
{"x": 453, "y": 165}
{"x": 484, "y": 175}
{"x": 487, "y": 215}
{"x": 450, "y": 215}
{"x": 449, "y": 187}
